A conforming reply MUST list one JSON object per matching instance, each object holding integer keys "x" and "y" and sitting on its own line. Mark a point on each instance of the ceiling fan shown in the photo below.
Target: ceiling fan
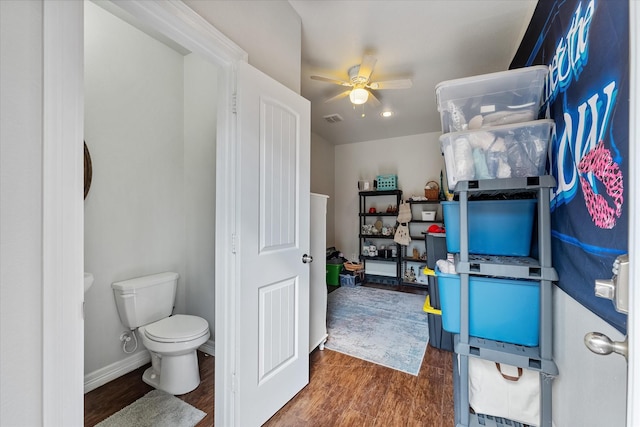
{"x": 360, "y": 84}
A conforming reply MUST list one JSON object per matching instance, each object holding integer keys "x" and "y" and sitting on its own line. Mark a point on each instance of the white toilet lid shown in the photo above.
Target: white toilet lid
{"x": 177, "y": 328}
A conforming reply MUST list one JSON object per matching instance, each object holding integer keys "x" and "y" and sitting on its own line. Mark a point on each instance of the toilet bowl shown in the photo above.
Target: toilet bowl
{"x": 172, "y": 343}
{"x": 145, "y": 304}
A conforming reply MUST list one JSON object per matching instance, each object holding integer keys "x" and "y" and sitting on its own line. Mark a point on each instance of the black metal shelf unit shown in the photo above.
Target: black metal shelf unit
{"x": 417, "y": 229}
{"x": 365, "y": 217}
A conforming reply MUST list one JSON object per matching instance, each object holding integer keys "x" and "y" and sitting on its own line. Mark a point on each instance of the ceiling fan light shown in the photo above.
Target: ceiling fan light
{"x": 359, "y": 96}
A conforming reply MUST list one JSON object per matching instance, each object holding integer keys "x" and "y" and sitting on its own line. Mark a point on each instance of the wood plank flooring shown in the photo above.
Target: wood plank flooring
{"x": 108, "y": 399}
{"x": 345, "y": 391}
{"x": 342, "y": 391}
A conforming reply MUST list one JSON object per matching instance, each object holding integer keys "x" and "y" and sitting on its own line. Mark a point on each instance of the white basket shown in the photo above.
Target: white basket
{"x": 428, "y": 215}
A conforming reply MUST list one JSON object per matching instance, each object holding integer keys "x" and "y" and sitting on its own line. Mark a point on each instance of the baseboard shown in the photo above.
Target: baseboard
{"x": 102, "y": 376}
{"x": 209, "y": 347}
{"x": 110, "y": 372}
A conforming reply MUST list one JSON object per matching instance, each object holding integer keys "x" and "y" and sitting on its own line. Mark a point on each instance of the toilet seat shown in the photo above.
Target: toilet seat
{"x": 177, "y": 328}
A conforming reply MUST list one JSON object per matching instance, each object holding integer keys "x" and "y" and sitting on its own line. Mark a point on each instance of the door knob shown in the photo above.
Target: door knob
{"x": 307, "y": 258}
{"x": 602, "y": 344}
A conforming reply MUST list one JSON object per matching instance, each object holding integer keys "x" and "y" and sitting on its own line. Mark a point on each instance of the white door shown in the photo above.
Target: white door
{"x": 272, "y": 314}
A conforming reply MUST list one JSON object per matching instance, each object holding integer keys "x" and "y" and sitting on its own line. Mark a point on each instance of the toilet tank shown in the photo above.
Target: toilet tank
{"x": 146, "y": 299}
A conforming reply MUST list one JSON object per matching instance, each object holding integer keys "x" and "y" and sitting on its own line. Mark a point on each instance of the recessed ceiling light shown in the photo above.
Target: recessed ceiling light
{"x": 386, "y": 113}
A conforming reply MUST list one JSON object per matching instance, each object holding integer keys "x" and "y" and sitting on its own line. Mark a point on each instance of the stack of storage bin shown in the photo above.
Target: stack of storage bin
{"x": 491, "y": 131}
{"x": 489, "y": 125}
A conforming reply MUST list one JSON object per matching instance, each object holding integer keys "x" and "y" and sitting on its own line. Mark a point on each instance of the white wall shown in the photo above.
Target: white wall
{"x": 269, "y": 31}
{"x": 200, "y": 109}
{"x": 416, "y": 159}
{"x": 135, "y": 210}
{"x": 590, "y": 389}
{"x": 21, "y": 213}
{"x": 323, "y": 178}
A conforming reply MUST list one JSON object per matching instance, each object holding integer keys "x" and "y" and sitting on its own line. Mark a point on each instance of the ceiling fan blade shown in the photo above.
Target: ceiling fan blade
{"x": 328, "y": 80}
{"x": 391, "y": 84}
{"x": 339, "y": 96}
{"x": 366, "y": 67}
{"x": 372, "y": 98}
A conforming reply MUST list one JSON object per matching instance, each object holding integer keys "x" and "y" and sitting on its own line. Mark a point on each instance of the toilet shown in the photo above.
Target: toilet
{"x": 146, "y": 303}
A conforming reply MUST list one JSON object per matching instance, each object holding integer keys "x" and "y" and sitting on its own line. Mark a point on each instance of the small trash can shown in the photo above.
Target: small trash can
{"x": 438, "y": 337}
{"x": 436, "y": 247}
{"x": 333, "y": 273}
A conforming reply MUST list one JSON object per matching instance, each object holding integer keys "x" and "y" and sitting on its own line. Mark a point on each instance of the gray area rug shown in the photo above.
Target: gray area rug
{"x": 384, "y": 327}
{"x": 155, "y": 409}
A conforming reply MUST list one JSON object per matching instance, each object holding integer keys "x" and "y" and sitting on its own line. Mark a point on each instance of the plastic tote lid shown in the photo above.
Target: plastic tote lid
{"x": 501, "y": 81}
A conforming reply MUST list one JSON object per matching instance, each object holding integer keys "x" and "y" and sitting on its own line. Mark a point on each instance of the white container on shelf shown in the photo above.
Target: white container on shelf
{"x": 509, "y": 151}
{"x": 428, "y": 215}
{"x": 494, "y": 99}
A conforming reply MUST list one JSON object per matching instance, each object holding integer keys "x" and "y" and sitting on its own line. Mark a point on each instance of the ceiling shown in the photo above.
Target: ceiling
{"x": 427, "y": 41}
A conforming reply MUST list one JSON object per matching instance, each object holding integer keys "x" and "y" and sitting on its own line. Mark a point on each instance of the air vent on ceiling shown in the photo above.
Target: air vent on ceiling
{"x": 333, "y": 118}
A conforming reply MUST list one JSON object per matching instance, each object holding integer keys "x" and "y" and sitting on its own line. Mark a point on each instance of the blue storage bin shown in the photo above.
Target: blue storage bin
{"x": 387, "y": 182}
{"x": 349, "y": 280}
{"x": 499, "y": 309}
{"x": 496, "y": 227}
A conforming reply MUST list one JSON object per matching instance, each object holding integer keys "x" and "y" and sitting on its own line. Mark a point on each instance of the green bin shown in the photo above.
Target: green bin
{"x": 333, "y": 274}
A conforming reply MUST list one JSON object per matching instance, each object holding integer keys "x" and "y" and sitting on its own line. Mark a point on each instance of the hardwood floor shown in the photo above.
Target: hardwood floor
{"x": 345, "y": 391}
{"x": 105, "y": 401}
{"x": 342, "y": 391}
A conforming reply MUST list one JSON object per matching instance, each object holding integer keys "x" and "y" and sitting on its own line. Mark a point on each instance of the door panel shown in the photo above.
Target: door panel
{"x": 273, "y": 234}
{"x": 278, "y": 146}
{"x": 277, "y": 338}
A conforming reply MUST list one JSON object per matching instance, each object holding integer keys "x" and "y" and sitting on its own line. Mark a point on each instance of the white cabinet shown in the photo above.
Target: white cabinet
{"x": 317, "y": 276}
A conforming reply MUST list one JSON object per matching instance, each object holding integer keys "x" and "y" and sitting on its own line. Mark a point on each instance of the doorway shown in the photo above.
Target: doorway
{"x": 150, "y": 125}
{"x": 63, "y": 25}
{"x": 178, "y": 26}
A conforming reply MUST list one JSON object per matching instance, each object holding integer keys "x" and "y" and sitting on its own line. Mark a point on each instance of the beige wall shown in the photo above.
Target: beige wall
{"x": 200, "y": 126}
{"x": 134, "y": 212}
{"x": 416, "y": 159}
{"x": 269, "y": 31}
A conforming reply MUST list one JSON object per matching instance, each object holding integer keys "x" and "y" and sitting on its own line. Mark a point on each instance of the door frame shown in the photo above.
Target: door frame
{"x": 633, "y": 321}
{"x": 63, "y": 218}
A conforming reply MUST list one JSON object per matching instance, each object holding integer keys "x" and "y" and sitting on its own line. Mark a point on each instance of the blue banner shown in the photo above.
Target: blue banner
{"x": 585, "y": 44}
